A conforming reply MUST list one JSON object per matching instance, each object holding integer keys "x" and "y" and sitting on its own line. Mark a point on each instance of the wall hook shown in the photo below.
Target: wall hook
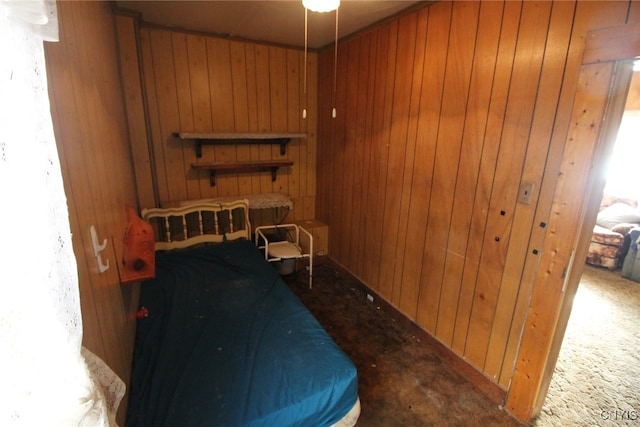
{"x": 97, "y": 249}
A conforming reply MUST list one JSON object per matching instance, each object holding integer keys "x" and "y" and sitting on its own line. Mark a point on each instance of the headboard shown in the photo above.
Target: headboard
{"x": 181, "y": 227}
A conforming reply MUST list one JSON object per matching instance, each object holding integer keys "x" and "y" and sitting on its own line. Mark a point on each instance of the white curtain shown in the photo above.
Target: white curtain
{"x": 45, "y": 380}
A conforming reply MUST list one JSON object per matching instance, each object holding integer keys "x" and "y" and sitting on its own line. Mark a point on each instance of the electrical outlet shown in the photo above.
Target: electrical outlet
{"x": 370, "y": 298}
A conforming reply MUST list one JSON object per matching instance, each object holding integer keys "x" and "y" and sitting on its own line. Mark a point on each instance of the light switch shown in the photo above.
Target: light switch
{"x": 525, "y": 194}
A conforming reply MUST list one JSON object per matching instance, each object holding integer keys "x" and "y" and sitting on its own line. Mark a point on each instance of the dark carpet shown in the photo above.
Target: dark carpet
{"x": 402, "y": 379}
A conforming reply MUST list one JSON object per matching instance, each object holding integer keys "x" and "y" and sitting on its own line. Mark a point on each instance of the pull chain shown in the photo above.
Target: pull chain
{"x": 306, "y": 48}
{"x": 335, "y": 69}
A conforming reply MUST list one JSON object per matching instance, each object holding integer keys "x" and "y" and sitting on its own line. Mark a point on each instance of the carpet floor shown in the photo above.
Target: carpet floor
{"x": 597, "y": 376}
{"x": 402, "y": 379}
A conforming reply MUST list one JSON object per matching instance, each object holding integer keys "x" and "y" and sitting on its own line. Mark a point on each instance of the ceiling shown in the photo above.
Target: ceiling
{"x": 274, "y": 21}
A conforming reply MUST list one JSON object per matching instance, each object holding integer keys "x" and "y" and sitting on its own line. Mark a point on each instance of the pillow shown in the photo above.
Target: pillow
{"x": 617, "y": 213}
{"x": 623, "y": 228}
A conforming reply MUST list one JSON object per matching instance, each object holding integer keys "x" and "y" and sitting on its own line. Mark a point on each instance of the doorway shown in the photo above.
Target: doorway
{"x": 597, "y": 373}
{"x": 598, "y": 104}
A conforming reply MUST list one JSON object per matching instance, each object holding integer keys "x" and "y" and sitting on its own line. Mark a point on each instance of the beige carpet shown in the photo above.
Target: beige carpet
{"x": 597, "y": 376}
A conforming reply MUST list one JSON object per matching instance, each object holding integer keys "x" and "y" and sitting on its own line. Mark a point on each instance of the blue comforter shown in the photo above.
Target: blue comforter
{"x": 227, "y": 343}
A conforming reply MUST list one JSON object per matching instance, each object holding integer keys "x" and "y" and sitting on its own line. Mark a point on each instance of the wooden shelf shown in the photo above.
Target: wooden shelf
{"x": 235, "y": 167}
{"x": 281, "y": 139}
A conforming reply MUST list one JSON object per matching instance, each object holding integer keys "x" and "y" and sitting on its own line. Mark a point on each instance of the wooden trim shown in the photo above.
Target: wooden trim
{"x": 152, "y": 26}
{"x": 134, "y": 98}
{"x": 612, "y": 44}
{"x": 137, "y": 16}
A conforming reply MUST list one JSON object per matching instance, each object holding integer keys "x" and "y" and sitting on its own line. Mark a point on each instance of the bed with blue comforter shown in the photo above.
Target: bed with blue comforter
{"x": 227, "y": 343}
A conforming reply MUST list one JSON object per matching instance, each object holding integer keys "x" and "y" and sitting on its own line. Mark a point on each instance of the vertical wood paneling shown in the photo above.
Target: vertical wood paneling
{"x": 382, "y": 250}
{"x": 439, "y": 232}
{"x": 368, "y": 187}
{"x": 181, "y": 55}
{"x": 337, "y": 158}
{"x": 170, "y": 161}
{"x": 397, "y": 133}
{"x": 348, "y": 115}
{"x": 325, "y": 133}
{"x": 503, "y": 342}
{"x": 516, "y": 127}
{"x": 180, "y": 47}
{"x": 240, "y": 88}
{"x": 456, "y": 86}
{"x": 197, "y": 83}
{"x": 252, "y": 97}
{"x": 220, "y": 85}
{"x": 91, "y": 134}
{"x": 403, "y": 123}
{"x": 264, "y": 108}
{"x": 360, "y": 130}
{"x": 64, "y": 113}
{"x": 491, "y": 145}
{"x": 309, "y": 166}
{"x": 279, "y": 107}
{"x": 196, "y": 101}
{"x": 222, "y": 117}
{"x": 411, "y": 162}
{"x": 429, "y": 118}
{"x": 151, "y": 105}
{"x": 241, "y": 110}
{"x": 490, "y": 18}
{"x": 376, "y": 160}
{"x": 294, "y": 114}
{"x": 136, "y": 115}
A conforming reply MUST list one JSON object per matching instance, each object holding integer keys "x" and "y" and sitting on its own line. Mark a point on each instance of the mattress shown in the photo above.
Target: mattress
{"x": 227, "y": 343}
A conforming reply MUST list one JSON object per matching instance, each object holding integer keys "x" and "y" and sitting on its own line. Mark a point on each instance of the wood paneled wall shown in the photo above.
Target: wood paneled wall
{"x": 442, "y": 114}
{"x": 90, "y": 128}
{"x": 197, "y": 83}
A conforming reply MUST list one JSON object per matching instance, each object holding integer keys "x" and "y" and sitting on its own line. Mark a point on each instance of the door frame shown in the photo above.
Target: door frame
{"x": 603, "y": 83}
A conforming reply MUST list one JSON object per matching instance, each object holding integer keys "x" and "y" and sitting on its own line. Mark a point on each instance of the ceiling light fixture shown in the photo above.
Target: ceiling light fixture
{"x": 320, "y": 6}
